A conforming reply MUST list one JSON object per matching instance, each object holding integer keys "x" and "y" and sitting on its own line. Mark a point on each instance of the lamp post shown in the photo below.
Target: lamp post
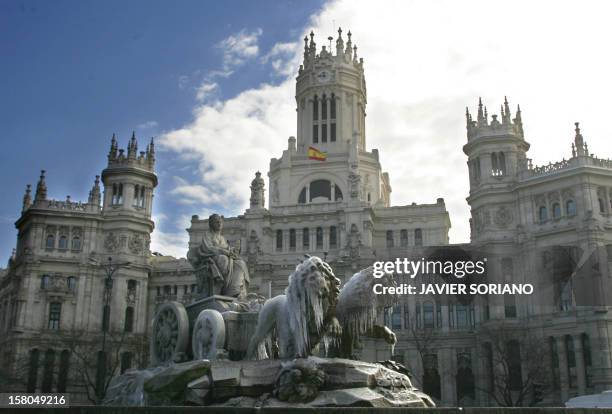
{"x": 109, "y": 269}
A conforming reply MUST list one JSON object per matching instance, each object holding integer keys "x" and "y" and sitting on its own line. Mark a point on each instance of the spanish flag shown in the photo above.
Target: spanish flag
{"x": 315, "y": 154}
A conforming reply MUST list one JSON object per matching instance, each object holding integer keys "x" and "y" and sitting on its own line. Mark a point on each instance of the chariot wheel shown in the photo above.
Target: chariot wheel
{"x": 208, "y": 336}
{"x": 170, "y": 333}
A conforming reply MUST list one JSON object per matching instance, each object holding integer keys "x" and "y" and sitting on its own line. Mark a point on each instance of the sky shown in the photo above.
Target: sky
{"x": 214, "y": 82}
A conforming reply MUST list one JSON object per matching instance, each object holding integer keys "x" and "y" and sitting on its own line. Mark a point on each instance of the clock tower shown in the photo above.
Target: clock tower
{"x": 331, "y": 97}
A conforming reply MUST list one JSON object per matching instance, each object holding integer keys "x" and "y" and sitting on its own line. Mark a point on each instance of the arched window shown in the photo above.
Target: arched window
{"x": 47, "y": 379}
{"x": 136, "y": 201}
{"x": 337, "y": 193}
{"x": 55, "y": 313}
{"x": 404, "y": 238}
{"x": 33, "y": 371}
{"x": 333, "y": 237}
{"x": 292, "y": 239}
{"x": 142, "y": 196}
{"x": 126, "y": 361}
{"x": 515, "y": 373}
{"x": 428, "y": 315}
{"x": 494, "y": 164}
{"x": 305, "y": 238}
{"x": 76, "y": 243}
{"x": 501, "y": 159}
{"x": 62, "y": 375}
{"x": 105, "y": 318}
{"x": 50, "y": 243}
{"x": 570, "y": 207}
{"x": 279, "y": 240}
{"x": 120, "y": 194}
{"x": 556, "y": 208}
{"x": 63, "y": 242}
{"x": 128, "y": 325}
{"x": 71, "y": 282}
{"x": 302, "y": 196}
{"x": 320, "y": 190}
{"x": 44, "y": 281}
{"x": 115, "y": 194}
{"x": 542, "y": 214}
{"x": 418, "y": 237}
{"x": 319, "y": 237}
{"x": 315, "y": 108}
{"x": 602, "y": 205}
{"x": 389, "y": 238}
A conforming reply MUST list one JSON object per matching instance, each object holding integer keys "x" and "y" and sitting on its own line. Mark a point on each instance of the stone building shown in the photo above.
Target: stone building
{"x": 549, "y": 226}
{"x": 53, "y": 297}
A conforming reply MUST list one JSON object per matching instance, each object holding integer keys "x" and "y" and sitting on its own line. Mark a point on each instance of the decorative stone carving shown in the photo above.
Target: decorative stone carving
{"x": 354, "y": 184}
{"x": 136, "y": 243}
{"x": 299, "y": 381}
{"x": 111, "y": 243}
{"x": 170, "y": 333}
{"x": 208, "y": 337}
{"x": 257, "y": 191}
{"x": 503, "y": 217}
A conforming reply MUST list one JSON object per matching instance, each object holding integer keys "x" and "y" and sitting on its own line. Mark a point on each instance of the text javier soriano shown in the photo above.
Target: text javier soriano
{"x": 458, "y": 269}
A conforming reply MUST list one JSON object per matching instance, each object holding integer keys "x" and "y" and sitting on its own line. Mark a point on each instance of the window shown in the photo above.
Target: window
{"x": 44, "y": 281}
{"x": 404, "y": 238}
{"x": 131, "y": 284}
{"x": 55, "y": 310}
{"x": 100, "y": 373}
{"x": 428, "y": 315}
{"x": 571, "y": 360}
{"x": 570, "y": 208}
{"x": 62, "y": 375}
{"x": 71, "y": 281}
{"x": 566, "y": 296}
{"x": 542, "y": 214}
{"x": 418, "y": 237}
{"x": 126, "y": 361}
{"x": 76, "y": 243}
{"x": 406, "y": 316}
{"x": 556, "y": 208}
{"x": 63, "y": 242}
{"x": 602, "y": 205}
{"x": 50, "y": 243}
{"x": 128, "y": 325}
{"x": 302, "y": 196}
{"x": 502, "y": 163}
{"x": 389, "y": 238}
{"x": 315, "y": 108}
{"x": 292, "y": 239}
{"x": 332, "y": 132}
{"x": 117, "y": 194}
{"x": 586, "y": 346}
{"x": 515, "y": 375}
{"x": 319, "y": 237}
{"x": 554, "y": 362}
{"x": 136, "y": 200}
{"x": 324, "y": 108}
{"x": 462, "y": 316}
{"x": 33, "y": 371}
{"x": 324, "y": 133}
{"x": 337, "y": 193}
{"x": 320, "y": 190}
{"x": 47, "y": 380}
{"x": 142, "y": 196}
{"x": 315, "y": 133}
{"x": 509, "y": 306}
{"x": 105, "y": 318}
{"x": 396, "y": 317}
{"x": 332, "y": 107}
{"x": 333, "y": 237}
{"x": 419, "y": 322}
{"x": 305, "y": 238}
{"x": 193, "y": 288}
{"x": 279, "y": 240}
{"x": 158, "y": 291}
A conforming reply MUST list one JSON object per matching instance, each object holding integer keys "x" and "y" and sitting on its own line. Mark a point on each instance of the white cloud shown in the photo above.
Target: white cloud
{"x": 148, "y": 125}
{"x": 239, "y": 47}
{"x": 424, "y": 62}
{"x": 206, "y": 90}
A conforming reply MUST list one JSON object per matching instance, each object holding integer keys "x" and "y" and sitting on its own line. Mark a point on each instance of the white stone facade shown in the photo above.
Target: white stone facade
{"x": 550, "y": 226}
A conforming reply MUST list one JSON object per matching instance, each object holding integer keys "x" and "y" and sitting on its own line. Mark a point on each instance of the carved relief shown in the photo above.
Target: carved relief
{"x": 354, "y": 187}
{"x": 503, "y": 217}
{"x": 111, "y": 243}
{"x": 553, "y": 196}
{"x": 136, "y": 243}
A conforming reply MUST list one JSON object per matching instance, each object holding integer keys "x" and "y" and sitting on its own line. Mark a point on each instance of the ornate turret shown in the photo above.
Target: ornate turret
{"x": 579, "y": 146}
{"x": 41, "y": 188}
{"x": 27, "y": 198}
{"x": 482, "y": 128}
{"x": 257, "y": 192}
{"x": 117, "y": 157}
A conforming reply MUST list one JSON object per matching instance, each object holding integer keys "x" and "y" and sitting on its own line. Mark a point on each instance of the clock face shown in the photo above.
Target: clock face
{"x": 323, "y": 76}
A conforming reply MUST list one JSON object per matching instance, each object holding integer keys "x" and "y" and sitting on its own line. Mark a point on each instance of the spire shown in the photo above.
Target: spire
{"x": 94, "y": 193}
{"x": 41, "y": 188}
{"x": 486, "y": 115}
{"x": 112, "y": 154}
{"x": 306, "y": 51}
{"x": 339, "y": 43}
{"x": 27, "y": 198}
{"x": 506, "y": 114}
{"x": 480, "y": 117}
{"x": 349, "y": 45}
{"x": 355, "y": 53}
{"x": 151, "y": 153}
{"x": 132, "y": 147}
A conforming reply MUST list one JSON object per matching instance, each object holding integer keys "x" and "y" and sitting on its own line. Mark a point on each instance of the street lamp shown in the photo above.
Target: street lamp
{"x": 109, "y": 269}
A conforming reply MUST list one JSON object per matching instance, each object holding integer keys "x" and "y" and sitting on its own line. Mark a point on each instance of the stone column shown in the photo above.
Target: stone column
{"x": 563, "y": 370}
{"x": 333, "y": 192}
{"x": 447, "y": 377}
{"x": 579, "y": 356}
{"x": 307, "y": 193}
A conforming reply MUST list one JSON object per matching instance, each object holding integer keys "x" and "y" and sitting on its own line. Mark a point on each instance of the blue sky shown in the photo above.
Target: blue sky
{"x": 74, "y": 72}
{"x": 214, "y": 82}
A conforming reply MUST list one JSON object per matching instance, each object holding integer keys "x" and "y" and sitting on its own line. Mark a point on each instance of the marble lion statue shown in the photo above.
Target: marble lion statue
{"x": 312, "y": 309}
